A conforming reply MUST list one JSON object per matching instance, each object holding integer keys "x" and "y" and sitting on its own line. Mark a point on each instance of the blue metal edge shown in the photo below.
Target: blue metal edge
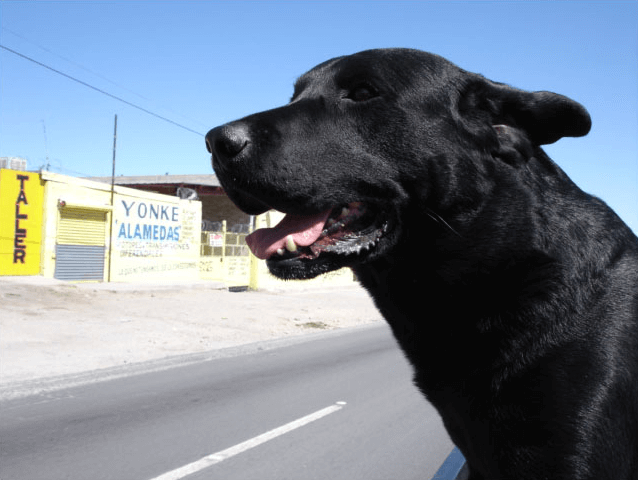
{"x": 452, "y": 468}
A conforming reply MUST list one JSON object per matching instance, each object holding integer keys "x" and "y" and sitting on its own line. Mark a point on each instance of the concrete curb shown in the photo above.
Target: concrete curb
{"x": 47, "y": 385}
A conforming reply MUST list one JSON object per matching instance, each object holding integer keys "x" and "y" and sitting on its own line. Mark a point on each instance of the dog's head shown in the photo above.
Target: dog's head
{"x": 369, "y": 139}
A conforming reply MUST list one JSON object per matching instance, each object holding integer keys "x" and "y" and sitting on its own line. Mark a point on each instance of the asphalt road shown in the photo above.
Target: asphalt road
{"x": 339, "y": 406}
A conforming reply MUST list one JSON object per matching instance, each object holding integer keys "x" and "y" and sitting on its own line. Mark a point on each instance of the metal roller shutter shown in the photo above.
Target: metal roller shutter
{"x": 81, "y": 226}
{"x": 81, "y": 241}
{"x": 79, "y": 262}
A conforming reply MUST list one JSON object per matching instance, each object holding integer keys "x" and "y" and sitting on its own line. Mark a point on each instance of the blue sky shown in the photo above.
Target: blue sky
{"x": 203, "y": 63}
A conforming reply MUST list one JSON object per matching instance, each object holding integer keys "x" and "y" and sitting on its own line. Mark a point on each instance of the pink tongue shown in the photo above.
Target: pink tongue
{"x": 305, "y": 230}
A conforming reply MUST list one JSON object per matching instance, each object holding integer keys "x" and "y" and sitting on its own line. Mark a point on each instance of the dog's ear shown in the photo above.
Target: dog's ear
{"x": 514, "y": 146}
{"x": 544, "y": 116}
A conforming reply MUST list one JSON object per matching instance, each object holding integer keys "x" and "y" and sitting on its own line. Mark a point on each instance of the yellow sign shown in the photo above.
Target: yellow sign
{"x": 21, "y": 195}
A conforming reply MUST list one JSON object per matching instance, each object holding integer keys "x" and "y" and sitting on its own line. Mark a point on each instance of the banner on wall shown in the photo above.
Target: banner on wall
{"x": 155, "y": 237}
{"x": 21, "y": 195}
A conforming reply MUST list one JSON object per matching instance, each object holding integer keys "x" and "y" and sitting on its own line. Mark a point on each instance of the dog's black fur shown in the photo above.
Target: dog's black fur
{"x": 513, "y": 293}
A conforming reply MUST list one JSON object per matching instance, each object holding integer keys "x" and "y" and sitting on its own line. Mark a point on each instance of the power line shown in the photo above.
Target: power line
{"x": 76, "y": 64}
{"x": 101, "y": 91}
{"x": 79, "y": 65}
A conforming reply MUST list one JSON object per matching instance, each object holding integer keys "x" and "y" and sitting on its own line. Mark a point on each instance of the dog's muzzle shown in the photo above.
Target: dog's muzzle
{"x": 230, "y": 144}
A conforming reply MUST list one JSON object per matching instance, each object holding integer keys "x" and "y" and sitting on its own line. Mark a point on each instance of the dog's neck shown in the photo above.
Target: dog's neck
{"x": 472, "y": 277}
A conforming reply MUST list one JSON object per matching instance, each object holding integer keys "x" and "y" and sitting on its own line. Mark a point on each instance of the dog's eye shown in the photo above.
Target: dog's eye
{"x": 362, "y": 93}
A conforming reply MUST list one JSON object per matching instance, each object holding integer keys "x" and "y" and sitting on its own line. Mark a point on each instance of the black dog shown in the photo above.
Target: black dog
{"x": 513, "y": 293}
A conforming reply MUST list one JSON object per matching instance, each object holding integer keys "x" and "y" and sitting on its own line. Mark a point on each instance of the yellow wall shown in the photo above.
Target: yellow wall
{"x": 225, "y": 258}
{"x": 20, "y": 222}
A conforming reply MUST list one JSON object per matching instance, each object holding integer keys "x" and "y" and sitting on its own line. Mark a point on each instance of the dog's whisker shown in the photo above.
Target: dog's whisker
{"x": 438, "y": 219}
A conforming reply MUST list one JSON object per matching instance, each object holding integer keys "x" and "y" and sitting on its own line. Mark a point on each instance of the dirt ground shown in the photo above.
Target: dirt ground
{"x": 49, "y": 327}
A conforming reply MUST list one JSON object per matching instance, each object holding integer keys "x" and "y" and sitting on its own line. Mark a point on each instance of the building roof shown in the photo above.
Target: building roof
{"x": 168, "y": 184}
{"x": 185, "y": 180}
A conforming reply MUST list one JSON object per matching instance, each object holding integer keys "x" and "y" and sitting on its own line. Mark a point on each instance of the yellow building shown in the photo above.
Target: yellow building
{"x": 75, "y": 229}
{"x": 82, "y": 230}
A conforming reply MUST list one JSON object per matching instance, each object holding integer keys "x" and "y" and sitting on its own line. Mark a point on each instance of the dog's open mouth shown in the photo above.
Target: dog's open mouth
{"x": 351, "y": 229}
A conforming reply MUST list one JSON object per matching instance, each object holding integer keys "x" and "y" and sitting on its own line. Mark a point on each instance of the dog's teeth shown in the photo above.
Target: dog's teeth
{"x": 280, "y": 251}
{"x": 291, "y": 246}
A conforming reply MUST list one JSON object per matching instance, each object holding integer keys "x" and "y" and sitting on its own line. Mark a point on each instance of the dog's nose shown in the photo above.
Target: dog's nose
{"x": 227, "y": 141}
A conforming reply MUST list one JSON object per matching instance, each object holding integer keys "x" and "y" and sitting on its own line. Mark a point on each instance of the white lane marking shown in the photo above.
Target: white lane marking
{"x": 222, "y": 455}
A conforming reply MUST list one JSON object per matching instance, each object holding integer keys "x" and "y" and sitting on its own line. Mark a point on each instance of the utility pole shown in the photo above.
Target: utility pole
{"x": 113, "y": 170}
{"x": 112, "y": 194}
